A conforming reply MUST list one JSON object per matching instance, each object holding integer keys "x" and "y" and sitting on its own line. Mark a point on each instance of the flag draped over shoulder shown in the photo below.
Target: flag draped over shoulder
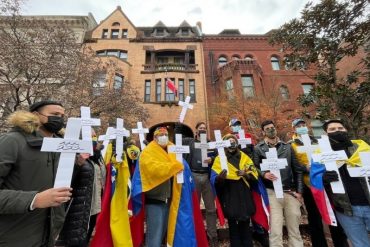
{"x": 259, "y": 193}
{"x": 155, "y": 166}
{"x": 354, "y": 160}
{"x": 181, "y": 223}
{"x": 113, "y": 227}
{"x": 317, "y": 186}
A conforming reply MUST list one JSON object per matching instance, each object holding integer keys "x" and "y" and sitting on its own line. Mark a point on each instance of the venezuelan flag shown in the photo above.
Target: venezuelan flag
{"x": 156, "y": 166}
{"x": 317, "y": 187}
{"x": 103, "y": 235}
{"x": 259, "y": 192}
{"x": 113, "y": 227}
{"x": 319, "y": 194}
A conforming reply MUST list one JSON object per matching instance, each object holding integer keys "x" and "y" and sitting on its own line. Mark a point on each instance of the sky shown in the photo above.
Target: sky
{"x": 249, "y": 16}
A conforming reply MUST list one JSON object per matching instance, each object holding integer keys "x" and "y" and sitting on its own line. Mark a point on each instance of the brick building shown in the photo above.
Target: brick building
{"x": 147, "y": 56}
{"x": 247, "y": 66}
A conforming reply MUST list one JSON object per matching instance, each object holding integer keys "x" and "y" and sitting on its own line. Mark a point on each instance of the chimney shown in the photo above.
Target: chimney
{"x": 199, "y": 24}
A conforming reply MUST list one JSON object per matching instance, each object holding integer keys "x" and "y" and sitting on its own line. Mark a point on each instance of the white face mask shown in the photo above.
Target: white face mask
{"x": 162, "y": 140}
{"x": 236, "y": 128}
{"x": 301, "y": 130}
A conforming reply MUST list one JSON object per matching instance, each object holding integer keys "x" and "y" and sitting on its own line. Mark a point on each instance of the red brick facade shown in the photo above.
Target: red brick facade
{"x": 235, "y": 48}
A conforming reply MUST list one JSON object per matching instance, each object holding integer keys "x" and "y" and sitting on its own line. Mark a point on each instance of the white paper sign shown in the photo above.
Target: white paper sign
{"x": 274, "y": 164}
{"x": 329, "y": 158}
{"x": 68, "y": 148}
{"x": 203, "y": 146}
{"x": 179, "y": 149}
{"x": 141, "y": 131}
{"x": 362, "y": 171}
{"x": 185, "y": 106}
{"x": 220, "y": 144}
{"x": 243, "y": 142}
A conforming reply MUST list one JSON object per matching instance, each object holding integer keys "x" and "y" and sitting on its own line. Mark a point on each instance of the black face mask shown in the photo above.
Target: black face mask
{"x": 339, "y": 140}
{"x": 202, "y": 132}
{"x": 54, "y": 124}
{"x": 233, "y": 148}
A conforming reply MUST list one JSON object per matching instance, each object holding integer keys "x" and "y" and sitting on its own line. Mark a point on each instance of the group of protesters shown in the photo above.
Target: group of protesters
{"x": 33, "y": 213}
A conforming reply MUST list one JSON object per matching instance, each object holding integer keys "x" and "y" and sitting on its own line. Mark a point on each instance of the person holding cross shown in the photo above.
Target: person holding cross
{"x": 316, "y": 228}
{"x": 30, "y": 208}
{"x": 291, "y": 179}
{"x": 158, "y": 197}
{"x": 233, "y": 188}
{"x": 352, "y": 208}
{"x": 200, "y": 168}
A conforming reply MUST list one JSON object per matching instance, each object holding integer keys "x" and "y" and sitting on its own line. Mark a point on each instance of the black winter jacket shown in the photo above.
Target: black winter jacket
{"x": 235, "y": 196}
{"x": 291, "y": 176}
{"x": 74, "y": 232}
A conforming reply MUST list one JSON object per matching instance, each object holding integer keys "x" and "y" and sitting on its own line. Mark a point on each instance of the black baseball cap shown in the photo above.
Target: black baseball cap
{"x": 38, "y": 105}
{"x": 329, "y": 121}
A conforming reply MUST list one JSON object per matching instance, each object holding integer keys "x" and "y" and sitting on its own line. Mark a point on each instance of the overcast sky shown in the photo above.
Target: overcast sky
{"x": 249, "y": 16}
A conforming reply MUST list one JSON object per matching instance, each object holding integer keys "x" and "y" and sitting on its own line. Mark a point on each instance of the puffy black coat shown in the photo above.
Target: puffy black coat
{"x": 235, "y": 196}
{"x": 74, "y": 232}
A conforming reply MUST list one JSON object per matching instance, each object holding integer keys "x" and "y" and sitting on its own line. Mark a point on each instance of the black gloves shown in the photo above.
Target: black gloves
{"x": 330, "y": 176}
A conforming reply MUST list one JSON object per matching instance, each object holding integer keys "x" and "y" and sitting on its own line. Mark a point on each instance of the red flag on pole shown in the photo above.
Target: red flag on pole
{"x": 171, "y": 86}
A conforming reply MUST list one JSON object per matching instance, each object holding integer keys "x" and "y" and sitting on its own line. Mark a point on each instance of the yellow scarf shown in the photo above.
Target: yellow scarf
{"x": 245, "y": 163}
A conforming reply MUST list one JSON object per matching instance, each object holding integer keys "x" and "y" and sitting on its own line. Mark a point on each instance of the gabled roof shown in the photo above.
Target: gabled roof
{"x": 160, "y": 24}
{"x": 120, "y": 10}
{"x": 185, "y": 24}
{"x": 230, "y": 32}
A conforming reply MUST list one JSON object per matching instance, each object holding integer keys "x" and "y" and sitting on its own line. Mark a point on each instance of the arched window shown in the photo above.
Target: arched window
{"x": 248, "y": 57}
{"x": 222, "y": 61}
{"x": 284, "y": 92}
{"x": 116, "y": 24}
{"x": 235, "y": 57}
{"x": 275, "y": 63}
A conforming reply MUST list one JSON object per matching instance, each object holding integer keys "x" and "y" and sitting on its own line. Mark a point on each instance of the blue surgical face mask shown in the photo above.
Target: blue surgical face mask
{"x": 301, "y": 130}
{"x": 236, "y": 128}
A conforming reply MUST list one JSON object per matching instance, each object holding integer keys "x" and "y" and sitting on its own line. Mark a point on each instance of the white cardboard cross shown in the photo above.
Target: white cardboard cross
{"x": 203, "y": 146}
{"x": 274, "y": 164}
{"x": 307, "y": 147}
{"x": 328, "y": 157}
{"x": 179, "y": 149}
{"x": 119, "y": 133}
{"x": 243, "y": 142}
{"x": 362, "y": 171}
{"x": 185, "y": 105}
{"x": 141, "y": 131}
{"x": 106, "y": 138}
{"x": 87, "y": 122}
{"x": 68, "y": 147}
{"x": 220, "y": 144}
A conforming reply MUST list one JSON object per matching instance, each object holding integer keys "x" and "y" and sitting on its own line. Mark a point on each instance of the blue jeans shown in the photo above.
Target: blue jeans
{"x": 357, "y": 226}
{"x": 156, "y": 224}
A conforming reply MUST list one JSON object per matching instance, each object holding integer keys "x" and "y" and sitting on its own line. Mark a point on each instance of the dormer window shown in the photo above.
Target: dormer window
{"x": 185, "y": 32}
{"x": 160, "y": 32}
